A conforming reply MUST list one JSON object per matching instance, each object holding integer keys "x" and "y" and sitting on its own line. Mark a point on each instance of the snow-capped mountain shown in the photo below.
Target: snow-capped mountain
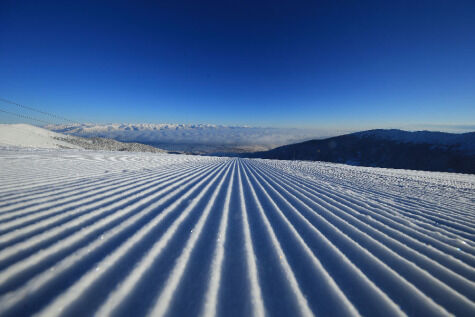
{"x": 205, "y": 138}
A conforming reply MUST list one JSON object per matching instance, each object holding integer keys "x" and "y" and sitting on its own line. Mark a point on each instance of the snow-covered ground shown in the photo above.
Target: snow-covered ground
{"x": 129, "y": 234}
{"x": 25, "y": 135}
{"x": 28, "y": 136}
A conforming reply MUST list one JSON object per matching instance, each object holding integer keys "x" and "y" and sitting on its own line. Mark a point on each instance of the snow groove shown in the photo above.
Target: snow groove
{"x": 115, "y": 234}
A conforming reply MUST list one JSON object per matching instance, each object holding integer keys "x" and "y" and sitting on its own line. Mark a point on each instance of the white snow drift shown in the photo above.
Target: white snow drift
{"x": 124, "y": 234}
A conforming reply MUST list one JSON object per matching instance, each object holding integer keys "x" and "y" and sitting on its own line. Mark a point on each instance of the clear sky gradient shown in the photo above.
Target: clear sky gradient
{"x": 337, "y": 64}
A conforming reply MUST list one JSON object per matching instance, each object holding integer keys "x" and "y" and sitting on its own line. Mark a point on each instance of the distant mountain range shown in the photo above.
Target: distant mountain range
{"x": 421, "y": 150}
{"x": 195, "y": 138}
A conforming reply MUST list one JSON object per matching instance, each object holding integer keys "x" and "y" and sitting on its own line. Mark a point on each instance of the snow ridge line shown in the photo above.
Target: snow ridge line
{"x": 98, "y": 209}
{"x": 94, "y": 274}
{"x": 304, "y": 309}
{"x": 116, "y": 298}
{"x": 384, "y": 215}
{"x": 89, "y": 232}
{"x": 181, "y": 185}
{"x": 92, "y": 196}
{"x": 100, "y": 182}
{"x": 257, "y": 300}
{"x": 383, "y": 305}
{"x": 456, "y": 301}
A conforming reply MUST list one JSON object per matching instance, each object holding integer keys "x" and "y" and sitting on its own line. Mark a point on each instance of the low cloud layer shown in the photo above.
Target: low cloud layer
{"x": 194, "y": 134}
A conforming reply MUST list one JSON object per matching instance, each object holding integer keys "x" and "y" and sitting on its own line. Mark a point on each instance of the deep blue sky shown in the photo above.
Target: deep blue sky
{"x": 262, "y": 63}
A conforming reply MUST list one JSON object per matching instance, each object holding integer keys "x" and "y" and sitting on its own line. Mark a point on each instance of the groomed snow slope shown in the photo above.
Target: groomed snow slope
{"x": 133, "y": 233}
{"x": 25, "y": 135}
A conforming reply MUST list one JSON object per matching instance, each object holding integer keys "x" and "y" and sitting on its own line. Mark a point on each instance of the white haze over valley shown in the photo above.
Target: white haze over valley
{"x": 204, "y": 137}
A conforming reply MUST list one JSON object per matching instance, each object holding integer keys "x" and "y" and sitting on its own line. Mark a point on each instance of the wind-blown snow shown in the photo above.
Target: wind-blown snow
{"x": 133, "y": 234}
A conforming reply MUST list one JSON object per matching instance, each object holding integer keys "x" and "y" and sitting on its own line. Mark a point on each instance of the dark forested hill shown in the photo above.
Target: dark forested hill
{"x": 421, "y": 150}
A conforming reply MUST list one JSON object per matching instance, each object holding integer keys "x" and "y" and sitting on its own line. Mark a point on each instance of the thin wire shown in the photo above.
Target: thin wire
{"x": 39, "y": 111}
{"x": 25, "y": 117}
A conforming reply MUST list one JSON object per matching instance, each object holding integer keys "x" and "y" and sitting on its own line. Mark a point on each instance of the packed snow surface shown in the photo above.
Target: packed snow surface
{"x": 130, "y": 234}
{"x": 25, "y": 135}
